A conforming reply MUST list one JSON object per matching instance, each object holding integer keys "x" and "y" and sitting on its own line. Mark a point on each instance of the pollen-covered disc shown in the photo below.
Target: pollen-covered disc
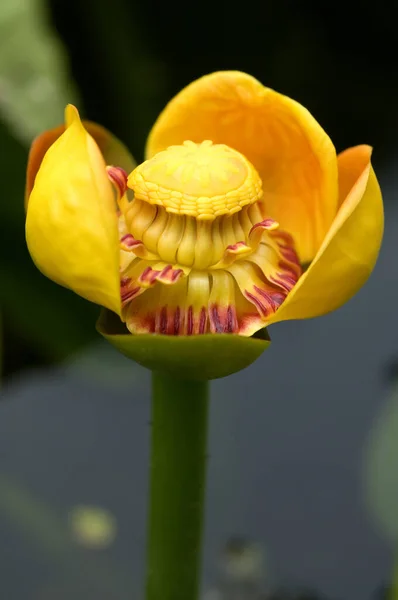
{"x": 200, "y": 180}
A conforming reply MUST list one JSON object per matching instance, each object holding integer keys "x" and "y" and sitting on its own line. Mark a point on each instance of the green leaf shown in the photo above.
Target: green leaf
{"x": 196, "y": 357}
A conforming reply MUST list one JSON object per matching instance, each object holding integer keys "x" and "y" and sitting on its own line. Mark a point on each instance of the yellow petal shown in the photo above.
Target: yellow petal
{"x": 294, "y": 156}
{"x": 71, "y": 225}
{"x": 351, "y": 246}
{"x": 112, "y": 149}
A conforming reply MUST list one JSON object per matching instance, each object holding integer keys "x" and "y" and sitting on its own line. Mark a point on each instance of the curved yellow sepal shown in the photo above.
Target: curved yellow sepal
{"x": 351, "y": 246}
{"x": 71, "y": 224}
{"x": 295, "y": 158}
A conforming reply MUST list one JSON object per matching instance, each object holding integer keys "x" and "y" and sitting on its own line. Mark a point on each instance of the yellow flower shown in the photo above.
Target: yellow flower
{"x": 240, "y": 189}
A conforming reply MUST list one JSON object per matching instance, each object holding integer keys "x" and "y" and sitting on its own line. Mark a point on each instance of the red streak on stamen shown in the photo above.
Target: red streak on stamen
{"x": 236, "y": 247}
{"x": 129, "y": 241}
{"x": 126, "y": 237}
{"x": 266, "y": 224}
{"x": 149, "y": 275}
{"x": 287, "y": 276}
{"x": 281, "y": 283}
{"x": 202, "y": 320}
{"x": 270, "y": 306}
{"x": 118, "y": 177}
{"x": 129, "y": 295}
{"x": 284, "y": 236}
{"x": 177, "y": 323}
{"x": 164, "y": 271}
{"x": 190, "y": 320}
{"x": 163, "y": 320}
{"x": 277, "y": 299}
{"x": 223, "y": 320}
{"x": 145, "y": 272}
{"x": 176, "y": 274}
{"x": 260, "y": 306}
{"x": 168, "y": 274}
{"x": 231, "y": 320}
{"x": 153, "y": 276}
{"x": 125, "y": 281}
{"x": 289, "y": 254}
{"x": 288, "y": 279}
{"x": 215, "y": 317}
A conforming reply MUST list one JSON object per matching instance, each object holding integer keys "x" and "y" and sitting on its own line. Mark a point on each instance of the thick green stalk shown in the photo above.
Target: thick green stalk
{"x": 177, "y": 488}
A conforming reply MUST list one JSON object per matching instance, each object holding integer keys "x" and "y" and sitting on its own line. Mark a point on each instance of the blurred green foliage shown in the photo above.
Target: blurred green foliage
{"x": 34, "y": 85}
{"x": 381, "y": 468}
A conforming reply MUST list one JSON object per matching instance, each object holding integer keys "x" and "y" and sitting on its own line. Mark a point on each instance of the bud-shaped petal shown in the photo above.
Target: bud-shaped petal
{"x": 72, "y": 224}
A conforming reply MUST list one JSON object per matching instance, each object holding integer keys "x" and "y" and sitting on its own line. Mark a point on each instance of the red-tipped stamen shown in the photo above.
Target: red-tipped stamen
{"x": 118, "y": 177}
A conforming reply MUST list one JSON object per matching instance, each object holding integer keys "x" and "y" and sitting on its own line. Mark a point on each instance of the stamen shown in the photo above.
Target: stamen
{"x": 205, "y": 257}
{"x": 127, "y": 242}
{"x": 118, "y": 177}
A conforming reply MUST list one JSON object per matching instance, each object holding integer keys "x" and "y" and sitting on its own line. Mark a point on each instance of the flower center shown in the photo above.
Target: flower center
{"x": 199, "y": 253}
{"x": 192, "y": 202}
{"x": 200, "y": 180}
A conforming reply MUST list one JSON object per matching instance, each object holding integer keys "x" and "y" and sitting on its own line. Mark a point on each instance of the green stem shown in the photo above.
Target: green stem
{"x": 177, "y": 488}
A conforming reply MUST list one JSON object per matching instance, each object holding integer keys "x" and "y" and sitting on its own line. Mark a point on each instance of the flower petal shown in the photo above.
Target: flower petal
{"x": 351, "y": 246}
{"x": 112, "y": 149}
{"x": 72, "y": 224}
{"x": 294, "y": 156}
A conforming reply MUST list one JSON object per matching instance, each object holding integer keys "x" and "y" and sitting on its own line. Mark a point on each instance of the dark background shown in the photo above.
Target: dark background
{"x": 290, "y": 466}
